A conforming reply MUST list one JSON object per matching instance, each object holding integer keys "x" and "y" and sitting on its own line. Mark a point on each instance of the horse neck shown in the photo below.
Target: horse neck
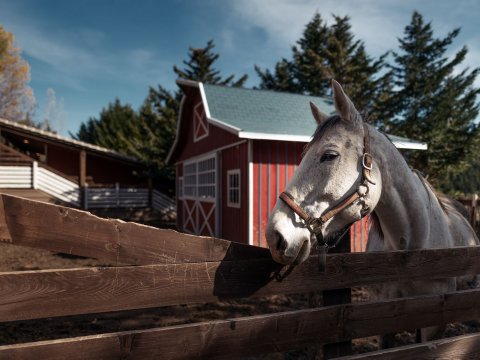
{"x": 408, "y": 213}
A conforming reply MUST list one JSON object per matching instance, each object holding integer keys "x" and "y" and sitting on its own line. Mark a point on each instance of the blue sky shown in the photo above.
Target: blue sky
{"x": 91, "y": 52}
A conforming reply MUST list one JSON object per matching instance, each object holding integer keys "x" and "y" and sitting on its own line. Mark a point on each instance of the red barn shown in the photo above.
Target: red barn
{"x": 235, "y": 151}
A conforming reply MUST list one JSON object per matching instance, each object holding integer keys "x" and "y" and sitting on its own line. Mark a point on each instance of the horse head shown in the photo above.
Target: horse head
{"x": 336, "y": 184}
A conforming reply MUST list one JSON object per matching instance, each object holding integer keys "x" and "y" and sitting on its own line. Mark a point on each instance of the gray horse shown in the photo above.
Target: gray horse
{"x": 350, "y": 170}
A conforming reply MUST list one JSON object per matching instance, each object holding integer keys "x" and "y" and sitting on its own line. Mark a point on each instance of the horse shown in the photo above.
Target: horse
{"x": 350, "y": 170}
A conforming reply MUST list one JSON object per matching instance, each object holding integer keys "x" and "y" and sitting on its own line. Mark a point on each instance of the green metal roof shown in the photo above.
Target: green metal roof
{"x": 262, "y": 111}
{"x": 266, "y": 114}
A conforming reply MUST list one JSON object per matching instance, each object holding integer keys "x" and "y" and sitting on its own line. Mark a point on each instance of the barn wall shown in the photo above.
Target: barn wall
{"x": 234, "y": 221}
{"x": 274, "y": 163}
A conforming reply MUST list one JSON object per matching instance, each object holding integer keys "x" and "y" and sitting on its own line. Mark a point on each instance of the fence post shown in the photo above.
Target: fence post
{"x": 85, "y": 196}
{"x": 35, "y": 175}
{"x": 337, "y": 297}
{"x": 117, "y": 192}
{"x": 150, "y": 193}
{"x": 474, "y": 210}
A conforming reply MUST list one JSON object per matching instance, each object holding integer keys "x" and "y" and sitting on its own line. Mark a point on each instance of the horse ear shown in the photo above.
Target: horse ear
{"x": 320, "y": 117}
{"x": 343, "y": 104}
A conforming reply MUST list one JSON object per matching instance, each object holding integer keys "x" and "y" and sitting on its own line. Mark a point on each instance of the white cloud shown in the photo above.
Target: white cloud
{"x": 377, "y": 23}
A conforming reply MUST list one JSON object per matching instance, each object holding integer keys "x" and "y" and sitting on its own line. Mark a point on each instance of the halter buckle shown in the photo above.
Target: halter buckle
{"x": 314, "y": 225}
{"x": 367, "y": 161}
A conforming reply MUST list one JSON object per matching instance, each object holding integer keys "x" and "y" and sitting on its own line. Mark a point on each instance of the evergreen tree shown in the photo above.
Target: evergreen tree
{"x": 435, "y": 101}
{"x": 149, "y": 133}
{"x": 164, "y": 105}
{"x": 117, "y": 128}
{"x": 325, "y": 52}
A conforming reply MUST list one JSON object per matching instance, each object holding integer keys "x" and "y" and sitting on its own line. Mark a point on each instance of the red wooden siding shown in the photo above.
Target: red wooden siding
{"x": 234, "y": 221}
{"x": 274, "y": 163}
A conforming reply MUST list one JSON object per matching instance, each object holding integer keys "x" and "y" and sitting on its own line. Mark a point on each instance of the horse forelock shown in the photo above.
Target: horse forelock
{"x": 320, "y": 131}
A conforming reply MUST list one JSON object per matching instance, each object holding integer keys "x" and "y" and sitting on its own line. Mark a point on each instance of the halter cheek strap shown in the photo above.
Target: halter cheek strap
{"x": 315, "y": 224}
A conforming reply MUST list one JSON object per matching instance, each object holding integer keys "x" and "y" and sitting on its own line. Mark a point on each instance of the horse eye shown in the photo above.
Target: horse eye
{"x": 328, "y": 156}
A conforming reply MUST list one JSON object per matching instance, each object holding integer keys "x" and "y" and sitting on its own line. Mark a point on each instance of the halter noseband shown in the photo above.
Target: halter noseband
{"x": 315, "y": 224}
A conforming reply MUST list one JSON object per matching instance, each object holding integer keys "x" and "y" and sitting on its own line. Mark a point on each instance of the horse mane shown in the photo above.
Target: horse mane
{"x": 447, "y": 203}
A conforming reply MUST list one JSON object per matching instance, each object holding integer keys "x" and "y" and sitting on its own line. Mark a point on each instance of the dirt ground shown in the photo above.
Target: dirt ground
{"x": 15, "y": 258}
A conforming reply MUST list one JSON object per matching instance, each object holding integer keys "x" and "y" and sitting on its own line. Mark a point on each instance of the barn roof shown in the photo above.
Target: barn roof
{"x": 55, "y": 138}
{"x": 266, "y": 114}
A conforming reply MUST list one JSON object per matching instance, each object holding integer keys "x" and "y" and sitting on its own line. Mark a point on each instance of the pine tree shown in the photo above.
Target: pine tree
{"x": 16, "y": 97}
{"x": 116, "y": 128}
{"x": 435, "y": 101}
{"x": 164, "y": 105}
{"x": 149, "y": 133}
{"x": 325, "y": 52}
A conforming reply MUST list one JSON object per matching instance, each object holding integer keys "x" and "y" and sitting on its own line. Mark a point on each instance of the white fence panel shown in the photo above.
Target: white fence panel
{"x": 162, "y": 202}
{"x": 58, "y": 186}
{"x": 117, "y": 197}
{"x": 19, "y": 177}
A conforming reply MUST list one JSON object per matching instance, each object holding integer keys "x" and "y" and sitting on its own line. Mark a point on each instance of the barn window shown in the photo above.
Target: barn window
{"x": 199, "y": 179}
{"x": 200, "y": 123}
{"x": 190, "y": 180}
{"x": 233, "y": 188}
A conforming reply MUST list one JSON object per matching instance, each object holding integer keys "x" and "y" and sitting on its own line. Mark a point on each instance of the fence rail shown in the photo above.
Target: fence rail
{"x": 174, "y": 268}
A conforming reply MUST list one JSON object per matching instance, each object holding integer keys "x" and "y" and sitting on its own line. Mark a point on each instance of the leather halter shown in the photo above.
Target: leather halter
{"x": 315, "y": 225}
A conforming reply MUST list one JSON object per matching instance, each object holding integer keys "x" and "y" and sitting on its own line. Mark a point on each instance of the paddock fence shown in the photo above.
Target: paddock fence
{"x": 153, "y": 268}
{"x": 472, "y": 205}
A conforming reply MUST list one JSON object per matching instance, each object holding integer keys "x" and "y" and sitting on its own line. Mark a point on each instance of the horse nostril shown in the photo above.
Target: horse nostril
{"x": 281, "y": 243}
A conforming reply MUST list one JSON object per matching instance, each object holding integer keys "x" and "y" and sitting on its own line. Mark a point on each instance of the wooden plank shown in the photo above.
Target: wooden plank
{"x": 236, "y": 338}
{"x": 62, "y": 229}
{"x": 466, "y": 347}
{"x": 30, "y": 294}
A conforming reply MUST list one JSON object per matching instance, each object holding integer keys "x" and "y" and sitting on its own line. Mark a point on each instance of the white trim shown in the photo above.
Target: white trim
{"x": 250, "y": 192}
{"x": 265, "y": 136}
{"x": 225, "y": 126}
{"x": 204, "y": 100}
{"x": 180, "y": 188}
{"x": 239, "y": 188}
{"x": 212, "y": 152}
{"x": 177, "y": 133}
{"x": 409, "y": 145}
{"x": 197, "y": 160}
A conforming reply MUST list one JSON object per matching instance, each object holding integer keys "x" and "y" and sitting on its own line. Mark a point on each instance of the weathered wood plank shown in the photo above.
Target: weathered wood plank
{"x": 30, "y": 294}
{"x": 61, "y": 229}
{"x": 245, "y": 336}
{"x": 466, "y": 347}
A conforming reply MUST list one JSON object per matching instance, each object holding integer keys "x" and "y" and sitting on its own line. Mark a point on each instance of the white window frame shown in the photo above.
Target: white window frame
{"x": 201, "y": 119}
{"x": 180, "y": 187}
{"x": 197, "y": 175}
{"x": 230, "y": 187}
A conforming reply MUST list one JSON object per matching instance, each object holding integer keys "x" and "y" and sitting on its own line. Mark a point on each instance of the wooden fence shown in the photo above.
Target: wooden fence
{"x": 472, "y": 205}
{"x": 153, "y": 268}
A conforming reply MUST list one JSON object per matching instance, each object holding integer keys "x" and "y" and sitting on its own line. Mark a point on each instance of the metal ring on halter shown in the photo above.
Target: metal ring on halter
{"x": 367, "y": 158}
